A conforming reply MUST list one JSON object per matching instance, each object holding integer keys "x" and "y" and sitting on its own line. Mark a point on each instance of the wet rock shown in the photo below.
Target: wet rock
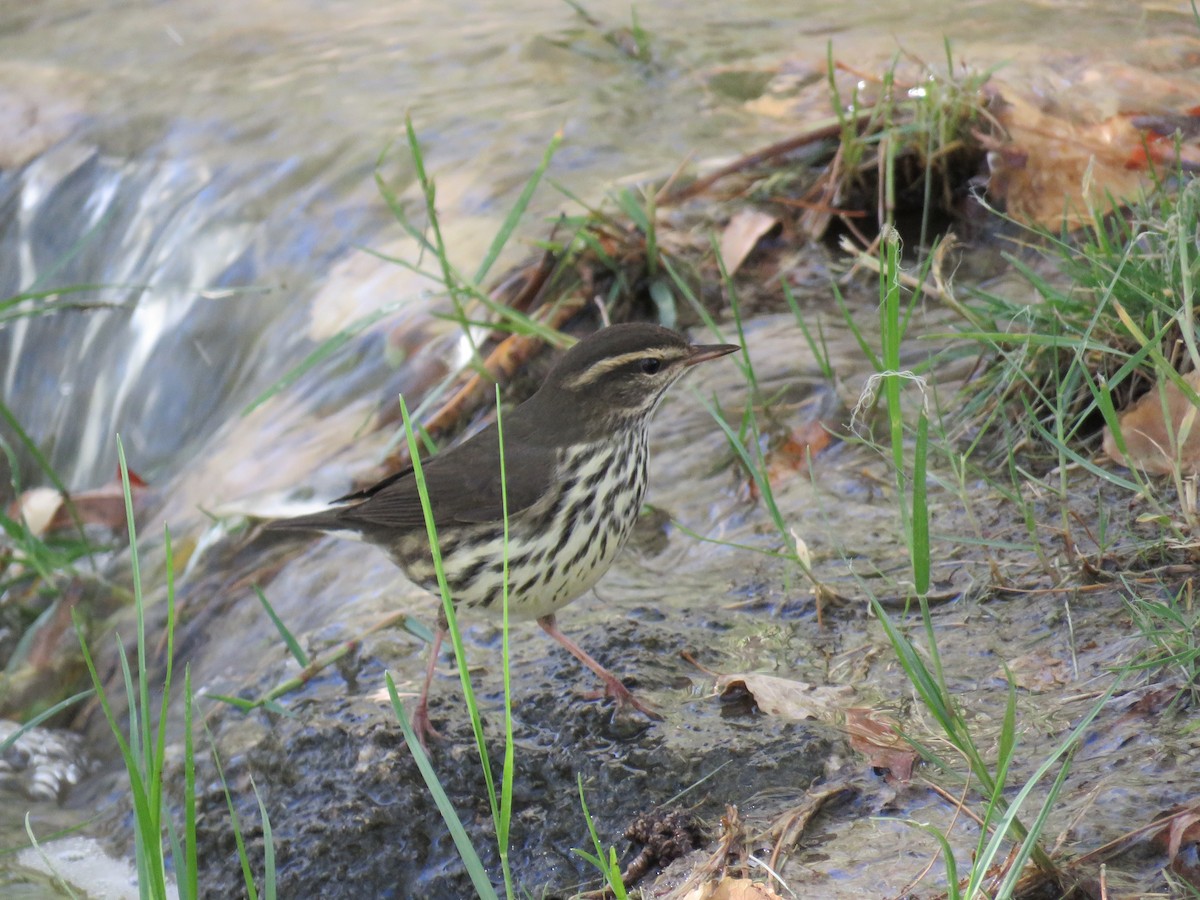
{"x": 42, "y": 763}
{"x": 351, "y": 817}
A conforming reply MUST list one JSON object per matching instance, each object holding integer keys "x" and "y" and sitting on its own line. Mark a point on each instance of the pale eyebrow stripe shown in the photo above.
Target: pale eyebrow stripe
{"x": 604, "y": 366}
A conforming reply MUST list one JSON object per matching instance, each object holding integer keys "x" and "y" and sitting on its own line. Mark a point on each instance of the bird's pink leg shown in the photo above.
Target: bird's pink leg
{"x": 420, "y": 720}
{"x": 612, "y": 685}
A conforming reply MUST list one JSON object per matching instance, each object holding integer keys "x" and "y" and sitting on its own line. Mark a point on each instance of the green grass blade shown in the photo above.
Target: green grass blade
{"x": 43, "y": 716}
{"x": 178, "y": 854}
{"x": 31, "y": 448}
{"x": 819, "y": 350}
{"x": 137, "y": 786}
{"x": 243, "y": 856}
{"x": 475, "y": 870}
{"x": 919, "y": 548}
{"x": 289, "y": 639}
{"x": 59, "y": 881}
{"x": 503, "y": 823}
{"x": 268, "y": 845}
{"x": 158, "y": 760}
{"x": 460, "y": 654}
{"x": 188, "y": 873}
{"x": 947, "y": 857}
{"x": 633, "y": 208}
{"x": 142, "y": 702}
{"x": 518, "y": 211}
{"x": 605, "y": 862}
{"x": 918, "y": 673}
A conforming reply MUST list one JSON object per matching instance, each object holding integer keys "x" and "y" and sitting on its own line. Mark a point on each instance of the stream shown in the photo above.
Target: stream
{"x": 201, "y": 181}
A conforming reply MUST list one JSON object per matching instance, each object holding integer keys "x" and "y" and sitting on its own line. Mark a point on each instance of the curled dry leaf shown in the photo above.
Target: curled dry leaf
{"x": 742, "y": 235}
{"x": 1179, "y": 840}
{"x": 791, "y": 699}
{"x": 1149, "y": 444}
{"x": 876, "y": 735}
{"x": 733, "y": 889}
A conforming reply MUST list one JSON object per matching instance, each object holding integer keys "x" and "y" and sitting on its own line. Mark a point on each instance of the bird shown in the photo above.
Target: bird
{"x": 575, "y": 458}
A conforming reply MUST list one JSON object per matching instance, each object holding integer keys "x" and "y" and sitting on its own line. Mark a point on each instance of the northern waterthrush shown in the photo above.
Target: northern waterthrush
{"x": 575, "y": 456}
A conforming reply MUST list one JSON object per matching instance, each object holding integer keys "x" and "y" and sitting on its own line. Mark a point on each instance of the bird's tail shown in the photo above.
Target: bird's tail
{"x": 328, "y": 520}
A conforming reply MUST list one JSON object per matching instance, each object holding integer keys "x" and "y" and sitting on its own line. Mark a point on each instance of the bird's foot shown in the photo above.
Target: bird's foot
{"x": 423, "y": 727}
{"x": 615, "y": 690}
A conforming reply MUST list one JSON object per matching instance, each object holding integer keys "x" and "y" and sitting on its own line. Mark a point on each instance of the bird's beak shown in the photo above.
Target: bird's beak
{"x": 702, "y": 352}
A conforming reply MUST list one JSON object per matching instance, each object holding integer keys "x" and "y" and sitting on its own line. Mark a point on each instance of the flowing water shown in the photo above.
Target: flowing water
{"x": 205, "y": 176}
{"x": 213, "y": 166}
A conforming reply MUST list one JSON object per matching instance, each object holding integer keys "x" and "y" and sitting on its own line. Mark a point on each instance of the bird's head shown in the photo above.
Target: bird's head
{"x": 618, "y": 375}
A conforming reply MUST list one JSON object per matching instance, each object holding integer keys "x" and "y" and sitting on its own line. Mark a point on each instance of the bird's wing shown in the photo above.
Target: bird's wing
{"x": 464, "y": 486}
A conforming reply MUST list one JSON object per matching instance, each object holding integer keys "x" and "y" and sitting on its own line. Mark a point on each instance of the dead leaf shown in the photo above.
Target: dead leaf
{"x": 742, "y": 235}
{"x": 796, "y": 450}
{"x": 876, "y": 735}
{"x": 733, "y": 889}
{"x": 1061, "y": 162}
{"x": 45, "y": 511}
{"x": 1179, "y": 840}
{"x": 1038, "y": 672}
{"x": 791, "y": 699}
{"x": 1148, "y": 444}
{"x": 37, "y": 506}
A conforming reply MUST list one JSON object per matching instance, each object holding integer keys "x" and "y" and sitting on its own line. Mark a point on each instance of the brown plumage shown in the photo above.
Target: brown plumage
{"x": 575, "y": 466}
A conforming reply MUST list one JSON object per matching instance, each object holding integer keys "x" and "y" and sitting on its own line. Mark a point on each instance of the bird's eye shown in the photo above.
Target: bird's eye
{"x": 651, "y": 365}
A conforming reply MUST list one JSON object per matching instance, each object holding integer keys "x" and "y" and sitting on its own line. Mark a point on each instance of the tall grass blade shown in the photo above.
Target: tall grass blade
{"x": 460, "y": 653}
{"x": 243, "y": 856}
{"x": 504, "y": 822}
{"x": 59, "y": 881}
{"x": 268, "y": 845}
{"x": 41, "y": 717}
{"x": 606, "y": 863}
{"x": 519, "y": 209}
{"x": 143, "y": 692}
{"x": 920, "y": 551}
{"x": 187, "y": 866}
{"x": 475, "y": 869}
{"x": 137, "y": 786}
{"x": 289, "y": 639}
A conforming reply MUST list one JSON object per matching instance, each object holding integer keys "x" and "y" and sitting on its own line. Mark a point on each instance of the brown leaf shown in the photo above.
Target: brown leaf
{"x": 791, "y": 699}
{"x": 45, "y": 512}
{"x": 1038, "y": 672}
{"x": 1147, "y": 442}
{"x": 1179, "y": 840}
{"x": 876, "y": 735}
{"x": 742, "y": 235}
{"x": 733, "y": 889}
{"x": 795, "y": 452}
{"x": 802, "y": 444}
{"x": 1065, "y": 162}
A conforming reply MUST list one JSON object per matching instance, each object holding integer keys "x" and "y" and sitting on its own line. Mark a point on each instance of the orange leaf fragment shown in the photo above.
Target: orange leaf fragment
{"x": 876, "y": 735}
{"x": 733, "y": 889}
{"x": 796, "y": 450}
{"x": 1149, "y": 444}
